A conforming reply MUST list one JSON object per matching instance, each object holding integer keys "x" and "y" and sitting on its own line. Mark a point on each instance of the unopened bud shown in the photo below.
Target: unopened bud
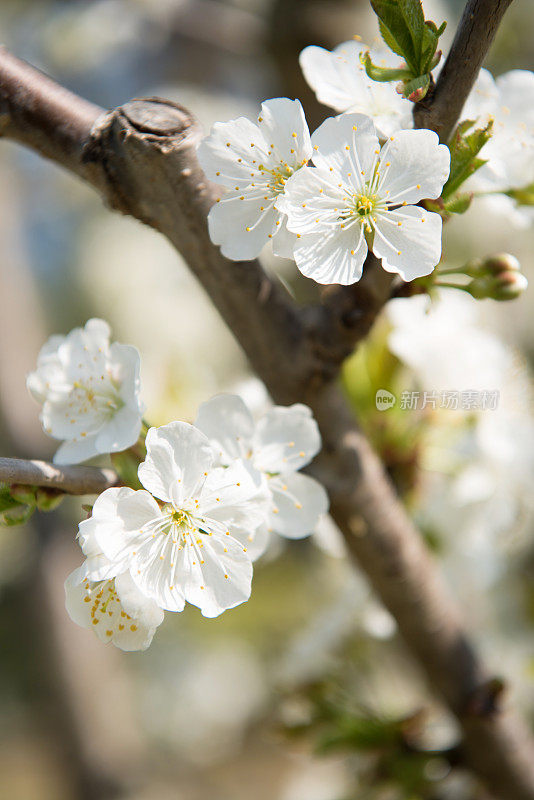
{"x": 414, "y": 97}
{"x": 505, "y": 285}
{"x": 23, "y": 494}
{"x": 48, "y": 499}
{"x": 492, "y": 266}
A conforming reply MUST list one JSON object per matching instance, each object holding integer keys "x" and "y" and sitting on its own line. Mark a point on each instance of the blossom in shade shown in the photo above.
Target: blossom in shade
{"x": 339, "y": 80}
{"x": 185, "y": 537}
{"x": 253, "y": 161}
{"x": 509, "y": 102}
{"x": 89, "y": 392}
{"x": 362, "y": 196}
{"x": 282, "y": 442}
{"x": 114, "y": 609}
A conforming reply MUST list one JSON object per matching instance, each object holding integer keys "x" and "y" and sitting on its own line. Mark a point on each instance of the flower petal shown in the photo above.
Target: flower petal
{"x": 228, "y": 424}
{"x": 226, "y": 155}
{"x": 75, "y": 452}
{"x": 337, "y": 258}
{"x": 349, "y": 145}
{"x": 217, "y": 576}
{"x": 408, "y": 241}
{"x": 242, "y": 225}
{"x": 298, "y": 502}
{"x": 99, "y": 607}
{"x": 287, "y": 438}
{"x": 177, "y": 457}
{"x": 285, "y": 129}
{"x": 312, "y": 201}
{"x": 413, "y": 166}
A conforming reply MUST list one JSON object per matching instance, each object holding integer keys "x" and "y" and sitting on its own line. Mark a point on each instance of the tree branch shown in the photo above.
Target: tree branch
{"x": 71, "y": 480}
{"x": 142, "y": 159}
{"x": 441, "y": 109}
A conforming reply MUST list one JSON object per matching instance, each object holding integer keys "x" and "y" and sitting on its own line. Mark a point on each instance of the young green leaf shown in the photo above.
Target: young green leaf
{"x": 464, "y": 149}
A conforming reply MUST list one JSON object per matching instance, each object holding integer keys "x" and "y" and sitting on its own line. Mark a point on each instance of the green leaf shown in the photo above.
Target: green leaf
{"x": 383, "y": 74}
{"x": 459, "y": 203}
{"x": 524, "y": 197}
{"x": 464, "y": 149}
{"x": 417, "y": 88}
{"x": 405, "y": 31}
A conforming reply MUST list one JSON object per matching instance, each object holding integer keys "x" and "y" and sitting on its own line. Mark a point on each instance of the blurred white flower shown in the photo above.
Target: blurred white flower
{"x": 443, "y": 344}
{"x": 89, "y": 390}
{"x": 253, "y": 161}
{"x": 509, "y": 102}
{"x": 283, "y": 441}
{"x": 190, "y": 542}
{"x": 339, "y": 80}
{"x": 114, "y": 609}
{"x": 360, "y": 196}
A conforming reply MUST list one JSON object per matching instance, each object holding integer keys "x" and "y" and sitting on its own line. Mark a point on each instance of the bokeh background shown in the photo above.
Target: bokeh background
{"x": 304, "y": 692}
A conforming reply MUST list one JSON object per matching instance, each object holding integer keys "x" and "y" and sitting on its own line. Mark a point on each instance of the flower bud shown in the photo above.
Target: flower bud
{"x": 505, "y": 285}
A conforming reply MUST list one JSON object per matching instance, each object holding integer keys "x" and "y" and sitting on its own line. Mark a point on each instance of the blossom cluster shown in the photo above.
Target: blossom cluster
{"x": 357, "y": 184}
{"x": 213, "y": 492}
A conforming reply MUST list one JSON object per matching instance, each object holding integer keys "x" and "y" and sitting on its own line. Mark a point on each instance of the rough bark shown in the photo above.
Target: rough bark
{"x": 72, "y": 480}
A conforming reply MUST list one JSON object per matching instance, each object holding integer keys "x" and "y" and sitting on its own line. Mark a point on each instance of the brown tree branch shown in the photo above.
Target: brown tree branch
{"x": 441, "y": 109}
{"x": 72, "y": 480}
{"x": 142, "y": 158}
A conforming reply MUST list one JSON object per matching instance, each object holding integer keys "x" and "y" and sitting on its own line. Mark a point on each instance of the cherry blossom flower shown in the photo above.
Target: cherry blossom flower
{"x": 253, "y": 161}
{"x": 114, "y": 609}
{"x": 509, "y": 102}
{"x": 359, "y": 196}
{"x": 282, "y": 442}
{"x": 183, "y": 538}
{"x": 89, "y": 391}
{"x": 339, "y": 80}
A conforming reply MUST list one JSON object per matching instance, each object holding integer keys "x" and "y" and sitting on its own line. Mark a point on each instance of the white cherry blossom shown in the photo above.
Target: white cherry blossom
{"x": 283, "y": 441}
{"x": 361, "y": 196}
{"x": 185, "y": 537}
{"x": 114, "y": 609}
{"x": 339, "y": 80}
{"x": 509, "y": 102}
{"x": 253, "y": 161}
{"x": 89, "y": 391}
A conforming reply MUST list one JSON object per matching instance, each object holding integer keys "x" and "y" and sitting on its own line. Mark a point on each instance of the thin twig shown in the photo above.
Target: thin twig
{"x": 72, "y": 480}
{"x": 441, "y": 110}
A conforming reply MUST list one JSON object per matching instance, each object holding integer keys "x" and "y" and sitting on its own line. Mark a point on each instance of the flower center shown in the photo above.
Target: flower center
{"x": 99, "y": 398}
{"x": 363, "y": 205}
{"x": 279, "y": 176}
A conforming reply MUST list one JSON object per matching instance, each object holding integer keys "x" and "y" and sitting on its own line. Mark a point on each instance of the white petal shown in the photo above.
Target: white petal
{"x": 76, "y": 452}
{"x": 298, "y": 502}
{"x": 411, "y": 249}
{"x": 338, "y": 77}
{"x": 348, "y": 144}
{"x": 217, "y": 576}
{"x": 177, "y": 457}
{"x": 482, "y": 97}
{"x": 125, "y": 366}
{"x": 136, "y": 604}
{"x": 227, "y": 492}
{"x": 98, "y": 606}
{"x": 226, "y": 156}
{"x": 312, "y": 201}
{"x": 118, "y": 535}
{"x": 287, "y": 438}
{"x": 285, "y": 129}
{"x": 418, "y": 167}
{"x": 121, "y": 432}
{"x": 337, "y": 258}
{"x": 228, "y": 424}
{"x": 255, "y": 542}
{"x": 240, "y": 226}
{"x": 283, "y": 242}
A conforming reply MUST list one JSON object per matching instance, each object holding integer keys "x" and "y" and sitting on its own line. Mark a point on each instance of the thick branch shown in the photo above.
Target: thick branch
{"x": 441, "y": 110}
{"x": 142, "y": 157}
{"x": 72, "y": 480}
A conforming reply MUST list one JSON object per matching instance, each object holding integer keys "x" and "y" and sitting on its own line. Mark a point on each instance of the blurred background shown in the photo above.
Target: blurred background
{"x": 304, "y": 692}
